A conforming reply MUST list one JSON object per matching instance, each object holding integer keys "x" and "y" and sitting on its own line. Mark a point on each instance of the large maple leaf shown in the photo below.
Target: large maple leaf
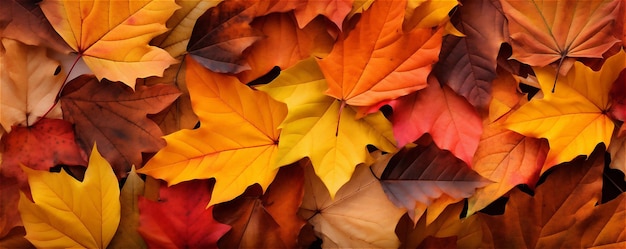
{"x": 180, "y": 219}
{"x": 376, "y": 62}
{"x": 67, "y": 213}
{"x": 453, "y": 123}
{"x": 417, "y": 177}
{"x": 267, "y": 220}
{"x": 114, "y": 116}
{"x": 112, "y": 36}
{"x": 360, "y": 215}
{"x": 318, "y": 128}
{"x": 42, "y": 146}
{"x": 543, "y": 32}
{"x": 562, "y": 212}
{"x": 574, "y": 118}
{"x": 468, "y": 64}
{"x": 236, "y": 142}
{"x": 29, "y": 81}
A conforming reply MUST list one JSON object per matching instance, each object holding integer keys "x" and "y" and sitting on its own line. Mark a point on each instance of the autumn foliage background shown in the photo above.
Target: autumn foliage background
{"x": 332, "y": 123}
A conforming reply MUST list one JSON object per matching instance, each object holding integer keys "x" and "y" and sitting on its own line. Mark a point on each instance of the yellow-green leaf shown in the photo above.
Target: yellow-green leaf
{"x": 318, "y": 128}
{"x": 573, "y": 117}
{"x": 68, "y": 213}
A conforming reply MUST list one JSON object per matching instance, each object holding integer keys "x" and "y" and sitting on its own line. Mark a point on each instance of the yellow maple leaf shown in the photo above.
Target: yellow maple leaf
{"x": 236, "y": 142}
{"x": 112, "y": 36}
{"x": 68, "y": 213}
{"x": 573, "y": 118}
{"x": 317, "y": 128}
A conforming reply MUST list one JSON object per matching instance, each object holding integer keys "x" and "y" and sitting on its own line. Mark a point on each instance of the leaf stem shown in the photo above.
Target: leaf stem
{"x": 58, "y": 95}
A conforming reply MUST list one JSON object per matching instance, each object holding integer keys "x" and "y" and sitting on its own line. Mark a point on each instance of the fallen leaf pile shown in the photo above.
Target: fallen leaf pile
{"x": 318, "y": 123}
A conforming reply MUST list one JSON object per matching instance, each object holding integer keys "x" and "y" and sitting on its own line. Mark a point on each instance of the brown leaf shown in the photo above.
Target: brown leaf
{"x": 265, "y": 221}
{"x": 468, "y": 64}
{"x": 114, "y": 117}
{"x": 545, "y": 220}
{"x": 9, "y": 197}
{"x": 15, "y": 239}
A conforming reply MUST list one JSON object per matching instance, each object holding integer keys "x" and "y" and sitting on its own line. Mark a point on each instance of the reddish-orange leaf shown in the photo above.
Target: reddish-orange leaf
{"x": 415, "y": 178}
{"x": 563, "y": 201}
{"x": 114, "y": 116}
{"x": 9, "y": 197}
{"x": 24, "y": 21}
{"x": 284, "y": 44}
{"x": 179, "y": 219}
{"x": 543, "y": 32}
{"x": 508, "y": 159}
{"x": 453, "y": 123}
{"x": 377, "y": 61}
{"x": 618, "y": 97}
{"x": 47, "y": 143}
{"x": 267, "y": 220}
{"x": 468, "y": 64}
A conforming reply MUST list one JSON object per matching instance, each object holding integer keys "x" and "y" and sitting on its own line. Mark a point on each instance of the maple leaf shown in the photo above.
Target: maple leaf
{"x": 116, "y": 46}
{"x": 29, "y": 83}
{"x": 465, "y": 232}
{"x": 236, "y": 158}
{"x": 618, "y": 98}
{"x": 181, "y": 24}
{"x": 15, "y": 239}
{"x": 114, "y": 116}
{"x": 415, "y": 178}
{"x": 375, "y": 62}
{"x": 127, "y": 235}
{"x": 545, "y": 32}
{"x": 267, "y": 220}
{"x": 68, "y": 213}
{"x": 508, "y": 159}
{"x": 24, "y": 21}
{"x": 284, "y": 44}
{"x": 468, "y": 64}
{"x": 358, "y": 6}
{"x": 560, "y": 207}
{"x": 360, "y": 215}
{"x": 318, "y": 128}
{"x": 573, "y": 118}
{"x": 9, "y": 197}
{"x": 334, "y": 10}
{"x": 42, "y": 146}
{"x": 439, "y": 111}
{"x": 180, "y": 219}
{"x": 504, "y": 95}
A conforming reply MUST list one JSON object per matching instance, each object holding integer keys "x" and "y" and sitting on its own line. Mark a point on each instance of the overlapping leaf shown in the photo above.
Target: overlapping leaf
{"x": 453, "y": 123}
{"x": 573, "y": 118}
{"x": 180, "y": 219}
{"x": 114, "y": 116}
{"x": 29, "y": 81}
{"x": 376, "y": 62}
{"x": 267, "y": 220}
{"x": 42, "y": 146}
{"x": 417, "y": 177}
{"x": 116, "y": 44}
{"x": 360, "y": 215}
{"x": 236, "y": 142}
{"x": 9, "y": 216}
{"x": 543, "y": 32}
{"x": 127, "y": 234}
{"x": 468, "y": 64}
{"x": 67, "y": 213}
{"x": 561, "y": 213}
{"x": 334, "y": 10}
{"x": 318, "y": 128}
